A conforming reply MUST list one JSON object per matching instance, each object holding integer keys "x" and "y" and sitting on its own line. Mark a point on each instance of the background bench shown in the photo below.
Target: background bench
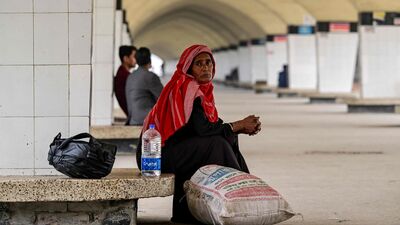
{"x": 125, "y": 137}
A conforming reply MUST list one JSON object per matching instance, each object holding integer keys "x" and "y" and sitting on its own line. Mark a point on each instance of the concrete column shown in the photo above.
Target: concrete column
{"x": 170, "y": 66}
{"x": 302, "y": 58}
{"x": 258, "y": 61}
{"x": 337, "y": 53}
{"x": 233, "y": 57}
{"x": 45, "y": 69}
{"x": 103, "y": 62}
{"x": 276, "y": 57}
{"x": 223, "y": 63}
{"x": 126, "y": 37}
{"x": 218, "y": 70}
{"x": 117, "y": 38}
{"x": 379, "y": 56}
{"x": 244, "y": 62}
{"x": 117, "y": 44}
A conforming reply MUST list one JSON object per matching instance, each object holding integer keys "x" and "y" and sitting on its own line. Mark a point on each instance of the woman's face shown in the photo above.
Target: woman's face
{"x": 202, "y": 68}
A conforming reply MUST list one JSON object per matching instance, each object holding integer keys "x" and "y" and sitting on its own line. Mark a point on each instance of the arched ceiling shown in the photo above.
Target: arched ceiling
{"x": 169, "y": 26}
{"x": 328, "y": 10}
{"x": 377, "y": 5}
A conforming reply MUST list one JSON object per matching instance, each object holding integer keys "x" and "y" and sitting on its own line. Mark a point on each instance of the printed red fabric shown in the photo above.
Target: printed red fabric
{"x": 174, "y": 106}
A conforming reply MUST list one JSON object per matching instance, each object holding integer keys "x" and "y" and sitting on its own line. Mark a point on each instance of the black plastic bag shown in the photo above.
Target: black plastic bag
{"x": 80, "y": 159}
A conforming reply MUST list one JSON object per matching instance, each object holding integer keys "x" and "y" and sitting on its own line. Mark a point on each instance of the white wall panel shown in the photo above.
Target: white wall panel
{"x": 126, "y": 39}
{"x": 50, "y": 6}
{"x": 16, "y": 143}
{"x": 302, "y": 61}
{"x": 80, "y": 5}
{"x": 17, "y": 82}
{"x": 276, "y": 58}
{"x": 244, "y": 64}
{"x": 51, "y": 38}
{"x": 19, "y": 6}
{"x": 117, "y": 39}
{"x": 40, "y": 40}
{"x": 101, "y": 113}
{"x": 234, "y": 59}
{"x": 258, "y": 63}
{"x": 104, "y": 18}
{"x": 51, "y": 90}
{"x": 337, "y": 53}
{"x": 78, "y": 125}
{"x": 80, "y": 38}
{"x": 16, "y": 32}
{"x": 380, "y": 61}
{"x": 101, "y": 78}
{"x": 79, "y": 91}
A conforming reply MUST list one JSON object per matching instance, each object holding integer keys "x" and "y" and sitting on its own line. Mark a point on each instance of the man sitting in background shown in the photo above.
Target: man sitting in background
{"x": 128, "y": 61}
{"x": 142, "y": 89}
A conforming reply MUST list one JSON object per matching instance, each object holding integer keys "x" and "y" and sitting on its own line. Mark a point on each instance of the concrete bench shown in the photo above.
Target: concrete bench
{"x": 291, "y": 92}
{"x": 379, "y": 105}
{"x": 125, "y": 137}
{"x": 35, "y": 200}
{"x": 329, "y": 97}
{"x": 262, "y": 86}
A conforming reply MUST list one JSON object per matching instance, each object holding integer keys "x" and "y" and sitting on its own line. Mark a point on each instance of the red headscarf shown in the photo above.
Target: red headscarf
{"x": 174, "y": 106}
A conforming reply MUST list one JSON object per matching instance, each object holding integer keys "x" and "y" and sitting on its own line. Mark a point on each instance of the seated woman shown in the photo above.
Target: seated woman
{"x": 192, "y": 134}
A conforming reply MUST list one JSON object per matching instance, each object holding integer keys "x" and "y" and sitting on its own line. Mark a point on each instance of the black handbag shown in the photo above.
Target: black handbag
{"x": 80, "y": 159}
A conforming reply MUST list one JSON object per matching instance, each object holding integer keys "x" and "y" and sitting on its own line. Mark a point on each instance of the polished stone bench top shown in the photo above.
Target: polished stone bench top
{"x": 115, "y": 132}
{"x": 119, "y": 185}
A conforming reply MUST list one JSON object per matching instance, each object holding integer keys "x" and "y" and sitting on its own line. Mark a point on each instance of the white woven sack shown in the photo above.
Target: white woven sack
{"x": 224, "y": 196}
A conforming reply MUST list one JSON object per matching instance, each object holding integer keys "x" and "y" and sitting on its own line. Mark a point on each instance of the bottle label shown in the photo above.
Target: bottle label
{"x": 151, "y": 163}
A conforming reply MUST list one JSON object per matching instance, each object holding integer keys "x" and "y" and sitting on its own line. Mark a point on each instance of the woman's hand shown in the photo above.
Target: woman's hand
{"x": 250, "y": 125}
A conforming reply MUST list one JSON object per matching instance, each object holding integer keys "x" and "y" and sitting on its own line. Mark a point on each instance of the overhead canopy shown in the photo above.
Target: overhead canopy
{"x": 169, "y": 26}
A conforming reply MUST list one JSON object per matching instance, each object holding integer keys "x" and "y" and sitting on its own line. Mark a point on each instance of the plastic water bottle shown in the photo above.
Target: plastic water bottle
{"x": 151, "y": 152}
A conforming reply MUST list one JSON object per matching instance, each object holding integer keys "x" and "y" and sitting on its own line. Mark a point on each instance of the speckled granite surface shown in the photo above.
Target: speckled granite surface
{"x": 120, "y": 184}
{"x": 115, "y": 132}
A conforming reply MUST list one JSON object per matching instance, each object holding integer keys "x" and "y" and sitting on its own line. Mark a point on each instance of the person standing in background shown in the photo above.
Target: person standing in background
{"x": 142, "y": 89}
{"x": 128, "y": 61}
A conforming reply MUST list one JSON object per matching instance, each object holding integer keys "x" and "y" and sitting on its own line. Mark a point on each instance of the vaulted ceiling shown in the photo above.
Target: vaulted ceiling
{"x": 169, "y": 26}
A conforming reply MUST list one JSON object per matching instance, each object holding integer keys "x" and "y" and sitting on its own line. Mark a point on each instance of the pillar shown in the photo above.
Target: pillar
{"x": 117, "y": 38}
{"x": 126, "y": 38}
{"x": 170, "y": 67}
{"x": 276, "y": 57}
{"x": 302, "y": 58}
{"x": 337, "y": 54}
{"x": 45, "y": 69}
{"x": 244, "y": 62}
{"x": 223, "y": 64}
{"x": 233, "y": 58}
{"x": 218, "y": 71}
{"x": 258, "y": 61}
{"x": 379, "y": 55}
{"x": 103, "y": 62}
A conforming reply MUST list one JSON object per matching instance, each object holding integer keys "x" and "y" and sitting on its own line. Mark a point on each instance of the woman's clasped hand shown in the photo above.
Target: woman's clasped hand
{"x": 250, "y": 125}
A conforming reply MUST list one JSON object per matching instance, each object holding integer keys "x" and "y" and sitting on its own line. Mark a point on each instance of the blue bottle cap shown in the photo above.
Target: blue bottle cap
{"x": 152, "y": 126}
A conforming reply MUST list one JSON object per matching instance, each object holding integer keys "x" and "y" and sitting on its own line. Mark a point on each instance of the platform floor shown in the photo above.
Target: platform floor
{"x": 331, "y": 166}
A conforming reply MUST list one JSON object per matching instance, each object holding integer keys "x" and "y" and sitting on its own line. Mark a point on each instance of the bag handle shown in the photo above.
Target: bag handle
{"x": 78, "y": 136}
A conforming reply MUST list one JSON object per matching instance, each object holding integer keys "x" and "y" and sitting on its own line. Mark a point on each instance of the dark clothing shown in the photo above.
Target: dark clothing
{"x": 142, "y": 91}
{"x": 119, "y": 87}
{"x": 283, "y": 81}
{"x": 197, "y": 144}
